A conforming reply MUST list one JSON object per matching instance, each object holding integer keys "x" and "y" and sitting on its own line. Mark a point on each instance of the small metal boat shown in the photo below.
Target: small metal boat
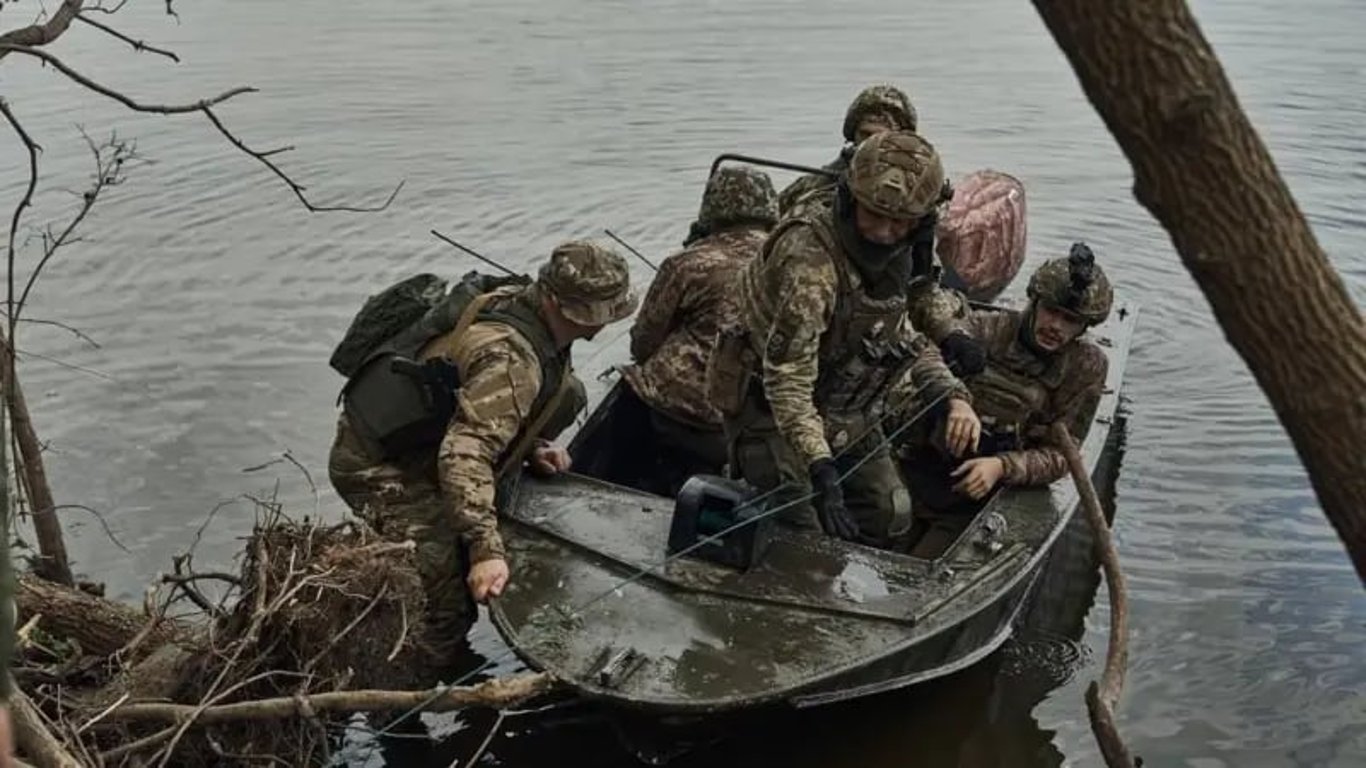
{"x": 597, "y": 603}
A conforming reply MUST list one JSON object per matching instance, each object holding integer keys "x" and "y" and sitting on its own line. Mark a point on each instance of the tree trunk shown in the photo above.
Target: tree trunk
{"x": 53, "y": 564}
{"x": 102, "y": 627}
{"x": 1202, "y": 171}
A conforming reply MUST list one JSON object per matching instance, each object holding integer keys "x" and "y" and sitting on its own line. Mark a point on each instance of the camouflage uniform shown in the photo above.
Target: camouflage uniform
{"x": 690, "y": 298}
{"x": 818, "y": 345}
{"x": 1024, "y": 390}
{"x": 510, "y": 369}
{"x": 934, "y": 311}
{"x": 885, "y": 103}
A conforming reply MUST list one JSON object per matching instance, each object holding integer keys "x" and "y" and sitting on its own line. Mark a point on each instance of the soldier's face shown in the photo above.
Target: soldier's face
{"x": 871, "y": 126}
{"x": 881, "y": 229}
{"x": 1054, "y": 328}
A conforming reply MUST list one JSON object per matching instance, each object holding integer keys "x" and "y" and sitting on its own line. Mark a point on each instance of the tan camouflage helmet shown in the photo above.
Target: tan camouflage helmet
{"x": 1076, "y": 284}
{"x": 591, "y": 283}
{"x": 897, "y": 175}
{"x": 737, "y": 195}
{"x": 886, "y": 103}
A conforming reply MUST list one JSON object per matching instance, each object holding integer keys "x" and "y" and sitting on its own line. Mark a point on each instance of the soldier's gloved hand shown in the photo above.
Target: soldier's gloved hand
{"x": 830, "y": 510}
{"x": 964, "y": 353}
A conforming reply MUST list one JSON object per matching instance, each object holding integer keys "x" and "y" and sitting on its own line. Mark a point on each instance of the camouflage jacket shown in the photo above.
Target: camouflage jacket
{"x": 500, "y": 378}
{"x": 1027, "y": 392}
{"x": 811, "y": 189}
{"x": 675, "y": 330}
{"x": 787, "y": 306}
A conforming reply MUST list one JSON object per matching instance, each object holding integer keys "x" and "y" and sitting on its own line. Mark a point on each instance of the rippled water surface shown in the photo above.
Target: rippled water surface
{"x": 215, "y": 300}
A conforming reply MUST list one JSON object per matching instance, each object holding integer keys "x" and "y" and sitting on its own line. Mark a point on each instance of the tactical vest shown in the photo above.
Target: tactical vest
{"x": 864, "y": 348}
{"x": 1017, "y": 385}
{"x": 402, "y": 399}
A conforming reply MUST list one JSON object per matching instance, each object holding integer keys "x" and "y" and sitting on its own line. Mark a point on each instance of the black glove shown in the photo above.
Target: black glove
{"x": 829, "y": 501}
{"x": 963, "y": 353}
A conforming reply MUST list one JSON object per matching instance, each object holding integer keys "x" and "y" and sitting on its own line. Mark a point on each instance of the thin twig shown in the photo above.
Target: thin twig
{"x": 66, "y": 365}
{"x": 142, "y": 743}
{"x": 104, "y": 9}
{"x": 138, "y": 45}
{"x": 117, "y": 703}
{"x": 179, "y": 578}
{"x": 199, "y": 532}
{"x": 295, "y": 187}
{"x": 103, "y": 523}
{"x": 484, "y": 745}
{"x": 402, "y": 631}
{"x": 383, "y": 590}
{"x": 21, "y": 638}
{"x": 77, "y": 332}
{"x": 106, "y": 174}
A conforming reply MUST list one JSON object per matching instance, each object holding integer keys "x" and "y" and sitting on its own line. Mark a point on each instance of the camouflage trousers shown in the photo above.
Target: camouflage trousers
{"x": 875, "y": 494}
{"x": 402, "y": 501}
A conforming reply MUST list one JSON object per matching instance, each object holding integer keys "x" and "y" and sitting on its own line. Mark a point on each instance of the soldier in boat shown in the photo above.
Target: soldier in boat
{"x": 876, "y": 109}
{"x": 1041, "y": 368}
{"x": 936, "y": 312}
{"x": 508, "y": 389}
{"x": 821, "y": 338}
{"x": 675, "y": 331}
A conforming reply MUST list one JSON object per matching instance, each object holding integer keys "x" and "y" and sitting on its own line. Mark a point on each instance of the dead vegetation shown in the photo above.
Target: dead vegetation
{"x": 321, "y": 622}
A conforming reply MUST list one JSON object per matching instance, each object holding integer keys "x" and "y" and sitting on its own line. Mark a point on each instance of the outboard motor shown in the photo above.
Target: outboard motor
{"x": 707, "y": 505}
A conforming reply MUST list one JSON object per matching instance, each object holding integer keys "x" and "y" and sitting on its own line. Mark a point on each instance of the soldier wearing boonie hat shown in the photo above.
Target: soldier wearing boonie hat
{"x": 514, "y": 392}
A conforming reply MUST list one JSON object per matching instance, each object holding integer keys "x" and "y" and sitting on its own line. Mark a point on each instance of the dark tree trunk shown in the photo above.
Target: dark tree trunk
{"x": 1202, "y": 171}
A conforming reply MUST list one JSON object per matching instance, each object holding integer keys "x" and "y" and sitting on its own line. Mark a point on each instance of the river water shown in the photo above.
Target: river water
{"x": 215, "y": 300}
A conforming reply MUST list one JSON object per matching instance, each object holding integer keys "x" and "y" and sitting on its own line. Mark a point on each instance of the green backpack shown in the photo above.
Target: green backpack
{"x": 396, "y": 403}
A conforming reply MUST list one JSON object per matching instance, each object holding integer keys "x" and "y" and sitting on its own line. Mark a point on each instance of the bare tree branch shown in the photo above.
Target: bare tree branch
{"x": 297, "y": 188}
{"x": 202, "y": 105}
{"x": 138, "y": 45}
{"x": 104, "y": 9}
{"x": 24, "y": 202}
{"x": 107, "y": 174}
{"x": 137, "y": 106}
{"x": 498, "y": 692}
{"x": 44, "y": 33}
{"x": 77, "y": 332}
{"x": 103, "y": 523}
{"x": 66, "y": 365}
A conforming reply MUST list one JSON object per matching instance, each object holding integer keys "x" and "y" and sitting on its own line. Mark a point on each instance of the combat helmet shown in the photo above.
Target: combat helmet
{"x": 886, "y": 102}
{"x": 1076, "y": 284}
{"x": 738, "y": 195}
{"x": 897, "y": 175}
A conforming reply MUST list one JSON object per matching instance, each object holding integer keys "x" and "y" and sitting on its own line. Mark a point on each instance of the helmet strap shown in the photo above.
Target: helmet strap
{"x": 1026, "y": 334}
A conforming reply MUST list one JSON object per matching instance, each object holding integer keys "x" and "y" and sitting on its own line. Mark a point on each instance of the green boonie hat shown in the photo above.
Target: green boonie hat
{"x": 885, "y": 102}
{"x": 738, "y": 196}
{"x": 591, "y": 283}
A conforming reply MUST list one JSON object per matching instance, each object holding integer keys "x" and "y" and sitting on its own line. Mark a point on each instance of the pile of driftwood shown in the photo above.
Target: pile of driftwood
{"x": 320, "y": 623}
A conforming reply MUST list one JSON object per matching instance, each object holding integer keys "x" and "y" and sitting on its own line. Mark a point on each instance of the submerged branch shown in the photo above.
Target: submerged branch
{"x": 496, "y": 693}
{"x": 1101, "y": 698}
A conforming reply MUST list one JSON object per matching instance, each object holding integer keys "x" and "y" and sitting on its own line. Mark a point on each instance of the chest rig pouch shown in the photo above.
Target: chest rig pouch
{"x": 1015, "y": 389}
{"x": 865, "y": 349}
